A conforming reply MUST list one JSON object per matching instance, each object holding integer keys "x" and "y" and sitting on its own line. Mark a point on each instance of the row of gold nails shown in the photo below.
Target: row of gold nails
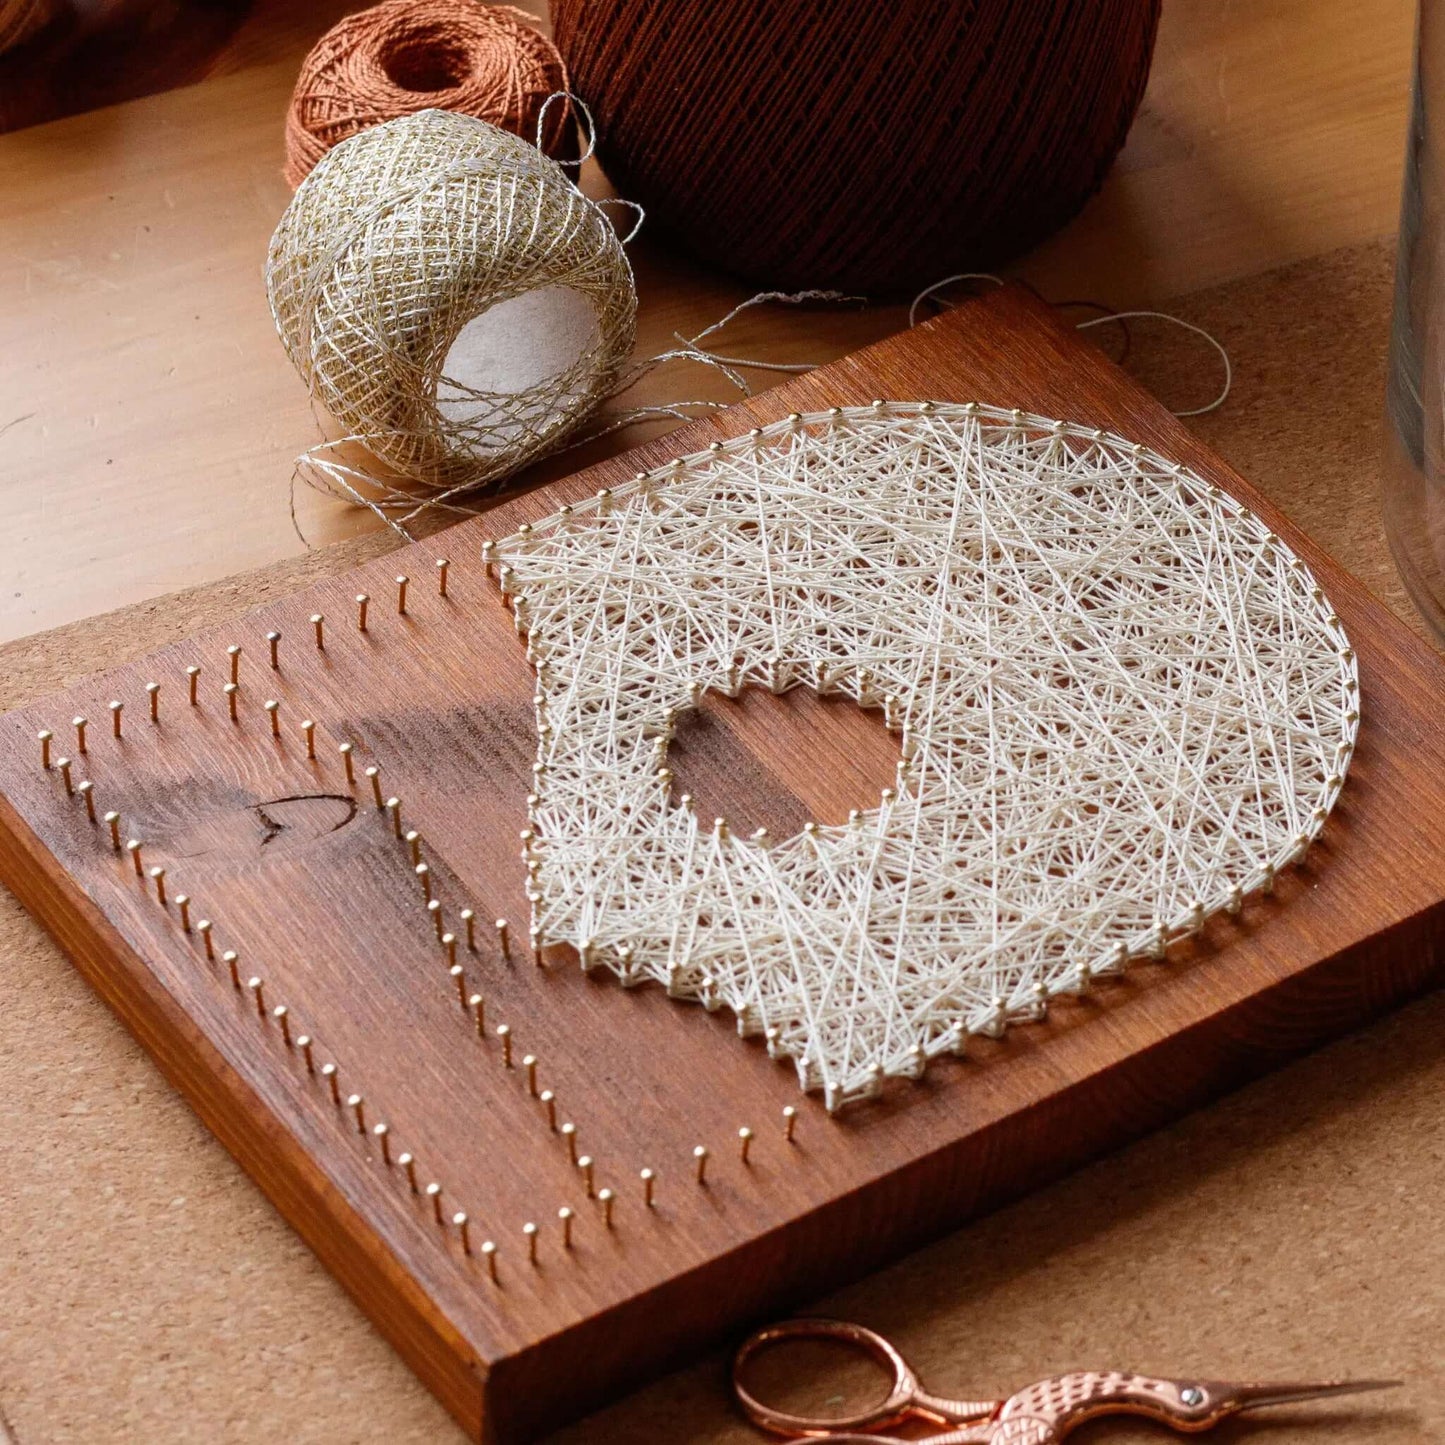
{"x": 328, "y": 1073}
{"x": 474, "y": 1003}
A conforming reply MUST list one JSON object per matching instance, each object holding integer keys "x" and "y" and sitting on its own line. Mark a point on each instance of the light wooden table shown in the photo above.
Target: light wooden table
{"x": 148, "y": 419}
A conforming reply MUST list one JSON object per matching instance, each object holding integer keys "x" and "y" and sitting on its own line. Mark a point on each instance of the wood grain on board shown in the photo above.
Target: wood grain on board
{"x": 304, "y": 878}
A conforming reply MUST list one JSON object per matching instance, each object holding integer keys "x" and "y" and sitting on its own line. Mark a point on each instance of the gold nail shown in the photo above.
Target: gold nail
{"x": 307, "y": 1047}
{"x": 116, "y": 709}
{"x": 458, "y": 975}
{"x": 408, "y": 1163}
{"x": 479, "y": 1009}
{"x": 328, "y": 1072}
{"x": 203, "y": 927}
{"x": 282, "y": 1015}
{"x": 362, "y": 600}
{"x": 345, "y": 751}
{"x": 434, "y": 1193}
{"x": 413, "y": 841}
{"x": 442, "y": 565}
{"x": 535, "y": 934}
{"x": 113, "y": 819}
{"x": 234, "y": 653}
{"x": 504, "y": 1032}
{"x": 86, "y": 789}
{"x": 489, "y": 1253}
{"x": 549, "y": 1102}
{"x": 183, "y": 902}
{"x": 273, "y": 711}
{"x": 308, "y": 730}
{"x": 232, "y": 960}
{"x": 258, "y": 992}
{"x": 564, "y": 1215}
{"x": 699, "y": 1157}
{"x": 470, "y": 919}
{"x": 588, "y": 1169}
{"x": 745, "y": 1143}
{"x": 318, "y": 622}
{"x": 606, "y": 1198}
{"x": 193, "y": 681}
{"x": 273, "y": 641}
{"x": 569, "y": 1133}
{"x": 231, "y": 690}
{"x": 401, "y": 596}
{"x": 158, "y": 877}
{"x": 133, "y": 848}
{"x": 649, "y": 1182}
{"x": 530, "y": 1231}
{"x": 79, "y": 724}
{"x": 790, "y": 1120}
{"x": 45, "y": 736}
{"x": 64, "y": 765}
{"x": 529, "y": 1062}
{"x": 383, "y": 1141}
{"x": 357, "y": 1105}
{"x": 464, "y": 1229}
{"x": 449, "y": 946}
{"x": 374, "y": 773}
{"x": 504, "y": 939}
{"x": 153, "y": 692}
{"x": 393, "y": 806}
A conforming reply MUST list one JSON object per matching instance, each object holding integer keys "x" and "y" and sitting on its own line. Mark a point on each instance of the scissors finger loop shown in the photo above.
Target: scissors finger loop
{"x": 897, "y": 1404}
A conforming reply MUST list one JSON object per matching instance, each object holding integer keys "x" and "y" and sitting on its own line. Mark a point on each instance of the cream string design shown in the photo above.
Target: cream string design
{"x": 1123, "y": 705}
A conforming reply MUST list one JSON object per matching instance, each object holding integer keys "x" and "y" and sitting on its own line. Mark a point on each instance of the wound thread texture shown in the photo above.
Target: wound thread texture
{"x": 404, "y": 56}
{"x": 20, "y": 19}
{"x": 414, "y": 232}
{"x": 856, "y": 145}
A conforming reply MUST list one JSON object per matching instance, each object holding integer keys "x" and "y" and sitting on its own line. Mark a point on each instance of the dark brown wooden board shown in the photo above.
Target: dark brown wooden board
{"x": 318, "y": 898}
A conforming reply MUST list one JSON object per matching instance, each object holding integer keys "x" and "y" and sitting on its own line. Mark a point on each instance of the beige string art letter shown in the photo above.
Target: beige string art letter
{"x": 1123, "y": 703}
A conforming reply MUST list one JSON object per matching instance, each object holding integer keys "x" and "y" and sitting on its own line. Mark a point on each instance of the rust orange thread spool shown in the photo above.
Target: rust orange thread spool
{"x": 404, "y": 56}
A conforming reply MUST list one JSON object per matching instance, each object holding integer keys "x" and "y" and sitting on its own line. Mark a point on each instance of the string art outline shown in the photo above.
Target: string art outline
{"x": 1123, "y": 705}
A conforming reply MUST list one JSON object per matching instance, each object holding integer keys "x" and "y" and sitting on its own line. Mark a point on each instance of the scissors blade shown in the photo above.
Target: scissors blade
{"x": 1259, "y": 1397}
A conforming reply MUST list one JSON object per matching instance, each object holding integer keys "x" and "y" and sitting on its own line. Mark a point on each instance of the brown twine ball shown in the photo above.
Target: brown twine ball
{"x": 853, "y": 144}
{"x": 405, "y": 56}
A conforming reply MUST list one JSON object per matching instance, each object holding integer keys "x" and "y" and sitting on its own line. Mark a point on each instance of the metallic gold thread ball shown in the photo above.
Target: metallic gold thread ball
{"x": 450, "y": 298}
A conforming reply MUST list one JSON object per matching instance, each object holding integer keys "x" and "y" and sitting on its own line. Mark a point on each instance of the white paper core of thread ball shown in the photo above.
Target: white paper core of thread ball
{"x": 1123, "y": 704}
{"x": 494, "y": 379}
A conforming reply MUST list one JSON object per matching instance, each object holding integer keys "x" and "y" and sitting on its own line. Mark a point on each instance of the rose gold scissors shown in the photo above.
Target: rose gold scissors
{"x": 1039, "y": 1414}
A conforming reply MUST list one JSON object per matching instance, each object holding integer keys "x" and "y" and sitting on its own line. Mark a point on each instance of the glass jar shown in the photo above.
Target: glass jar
{"x": 1414, "y": 487}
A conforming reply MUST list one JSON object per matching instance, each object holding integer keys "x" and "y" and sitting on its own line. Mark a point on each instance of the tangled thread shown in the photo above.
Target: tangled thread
{"x": 1123, "y": 704}
{"x": 404, "y": 56}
